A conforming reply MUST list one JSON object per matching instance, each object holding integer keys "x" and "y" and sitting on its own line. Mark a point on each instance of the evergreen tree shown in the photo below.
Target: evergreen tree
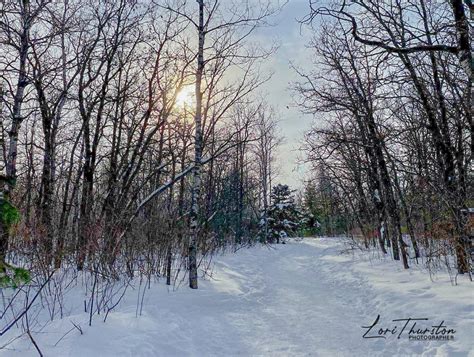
{"x": 322, "y": 201}
{"x": 283, "y": 218}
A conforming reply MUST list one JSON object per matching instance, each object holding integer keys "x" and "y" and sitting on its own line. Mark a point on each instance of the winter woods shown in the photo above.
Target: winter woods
{"x": 134, "y": 130}
{"x": 393, "y": 89}
{"x": 131, "y": 133}
{"x": 142, "y": 149}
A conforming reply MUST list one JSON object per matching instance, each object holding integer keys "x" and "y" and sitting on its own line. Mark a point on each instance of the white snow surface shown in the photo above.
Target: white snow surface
{"x": 298, "y": 299}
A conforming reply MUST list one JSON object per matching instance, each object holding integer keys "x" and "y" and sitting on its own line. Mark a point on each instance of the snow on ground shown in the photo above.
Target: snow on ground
{"x": 299, "y": 299}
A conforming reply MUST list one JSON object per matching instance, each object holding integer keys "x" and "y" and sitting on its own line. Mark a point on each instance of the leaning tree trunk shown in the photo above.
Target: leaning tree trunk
{"x": 196, "y": 184}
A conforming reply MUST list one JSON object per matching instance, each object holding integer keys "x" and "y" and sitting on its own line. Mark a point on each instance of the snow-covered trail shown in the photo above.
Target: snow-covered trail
{"x": 287, "y": 304}
{"x": 298, "y": 299}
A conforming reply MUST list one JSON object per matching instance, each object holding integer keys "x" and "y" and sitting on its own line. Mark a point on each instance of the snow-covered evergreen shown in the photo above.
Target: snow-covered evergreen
{"x": 283, "y": 218}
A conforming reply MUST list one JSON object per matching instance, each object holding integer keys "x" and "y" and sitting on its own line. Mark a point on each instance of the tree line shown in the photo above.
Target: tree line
{"x": 133, "y": 137}
{"x": 392, "y": 147}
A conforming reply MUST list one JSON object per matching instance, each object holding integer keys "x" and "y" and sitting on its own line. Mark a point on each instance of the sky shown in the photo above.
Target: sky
{"x": 292, "y": 40}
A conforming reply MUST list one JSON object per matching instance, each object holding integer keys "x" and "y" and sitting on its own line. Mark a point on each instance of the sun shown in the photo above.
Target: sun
{"x": 185, "y": 97}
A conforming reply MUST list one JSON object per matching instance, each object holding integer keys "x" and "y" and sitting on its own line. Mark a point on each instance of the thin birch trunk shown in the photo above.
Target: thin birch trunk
{"x": 196, "y": 185}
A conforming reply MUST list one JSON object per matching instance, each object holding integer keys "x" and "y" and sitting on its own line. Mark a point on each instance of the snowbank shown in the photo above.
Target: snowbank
{"x": 298, "y": 299}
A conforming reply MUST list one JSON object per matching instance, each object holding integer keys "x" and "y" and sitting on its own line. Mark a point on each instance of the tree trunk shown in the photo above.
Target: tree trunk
{"x": 198, "y": 141}
{"x": 9, "y": 180}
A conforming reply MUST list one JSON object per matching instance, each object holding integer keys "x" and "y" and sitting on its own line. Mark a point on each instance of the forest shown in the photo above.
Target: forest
{"x": 136, "y": 141}
{"x": 393, "y": 153}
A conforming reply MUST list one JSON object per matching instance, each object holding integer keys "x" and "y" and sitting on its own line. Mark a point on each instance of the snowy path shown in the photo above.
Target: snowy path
{"x": 291, "y": 306}
{"x": 299, "y": 299}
